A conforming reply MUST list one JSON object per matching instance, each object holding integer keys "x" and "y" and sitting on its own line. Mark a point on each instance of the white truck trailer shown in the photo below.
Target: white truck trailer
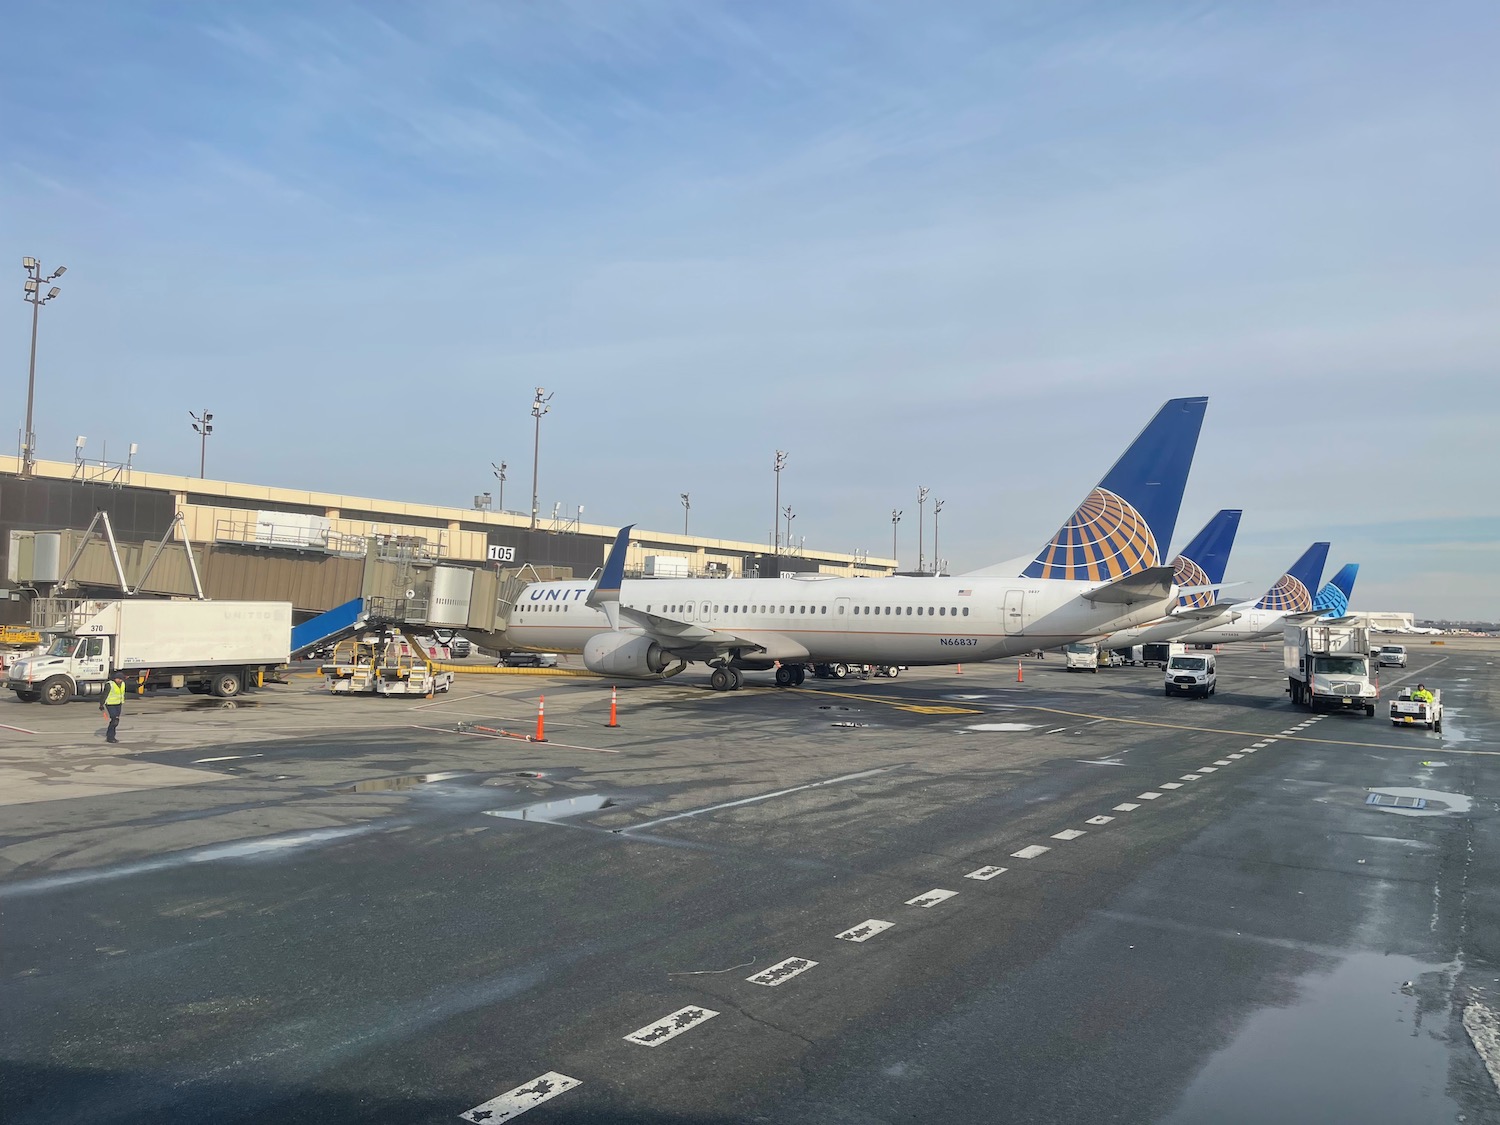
{"x": 218, "y": 647}
{"x": 1328, "y": 666}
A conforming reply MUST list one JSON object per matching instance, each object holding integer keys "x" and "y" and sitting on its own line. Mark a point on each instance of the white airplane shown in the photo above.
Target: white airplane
{"x": 1101, "y": 571}
{"x": 1289, "y": 600}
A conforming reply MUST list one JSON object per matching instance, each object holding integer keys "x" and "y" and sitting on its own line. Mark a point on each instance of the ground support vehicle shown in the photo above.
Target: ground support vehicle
{"x": 1195, "y": 674}
{"x": 1160, "y": 653}
{"x": 204, "y": 646}
{"x": 1392, "y": 655}
{"x": 1081, "y": 656}
{"x": 1328, "y": 666}
{"x": 529, "y": 660}
{"x": 1113, "y": 657}
{"x": 1406, "y": 711}
{"x": 843, "y": 671}
{"x": 382, "y": 664}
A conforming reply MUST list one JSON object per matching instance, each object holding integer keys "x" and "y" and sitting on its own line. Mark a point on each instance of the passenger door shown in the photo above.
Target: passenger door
{"x": 1014, "y": 612}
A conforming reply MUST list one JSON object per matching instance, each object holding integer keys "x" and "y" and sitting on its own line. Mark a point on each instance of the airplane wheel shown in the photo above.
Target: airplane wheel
{"x": 735, "y": 679}
{"x": 719, "y": 680}
{"x": 783, "y": 676}
{"x": 799, "y": 676}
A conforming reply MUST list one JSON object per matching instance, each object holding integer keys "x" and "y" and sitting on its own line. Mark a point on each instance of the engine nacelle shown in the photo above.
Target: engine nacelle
{"x": 624, "y": 654}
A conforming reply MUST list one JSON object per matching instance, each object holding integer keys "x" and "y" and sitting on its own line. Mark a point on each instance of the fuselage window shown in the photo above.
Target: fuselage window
{"x": 966, "y": 611}
{"x": 908, "y": 611}
{"x": 942, "y": 611}
{"x": 919, "y": 611}
{"x": 887, "y": 611}
{"x": 825, "y": 609}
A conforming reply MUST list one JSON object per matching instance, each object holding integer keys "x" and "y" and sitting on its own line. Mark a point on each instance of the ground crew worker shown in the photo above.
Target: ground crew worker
{"x": 1421, "y": 695}
{"x": 114, "y": 701}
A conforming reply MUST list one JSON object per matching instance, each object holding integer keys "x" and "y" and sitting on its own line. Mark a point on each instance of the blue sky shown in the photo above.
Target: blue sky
{"x": 971, "y": 246}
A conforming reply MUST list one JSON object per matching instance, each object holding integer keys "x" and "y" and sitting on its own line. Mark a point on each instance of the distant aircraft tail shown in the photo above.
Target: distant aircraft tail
{"x": 1125, "y": 524}
{"x": 1293, "y": 590}
{"x": 1204, "y": 560}
{"x": 1335, "y": 596}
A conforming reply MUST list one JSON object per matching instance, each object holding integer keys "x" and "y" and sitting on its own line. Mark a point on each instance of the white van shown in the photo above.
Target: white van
{"x": 1191, "y": 675}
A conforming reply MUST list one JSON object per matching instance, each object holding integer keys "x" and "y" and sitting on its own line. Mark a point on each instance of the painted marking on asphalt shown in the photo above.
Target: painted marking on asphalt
{"x": 669, "y": 1027}
{"x": 516, "y": 1102}
{"x": 225, "y": 758}
{"x": 1031, "y": 851}
{"x": 865, "y": 930}
{"x": 503, "y": 738}
{"x": 940, "y": 710}
{"x": 931, "y": 898}
{"x": 1249, "y": 750}
{"x": 1099, "y": 820}
{"x": 1170, "y": 785}
{"x": 1126, "y": 807}
{"x": 1222, "y": 762}
{"x": 762, "y": 797}
{"x": 1241, "y": 754}
{"x": 1260, "y": 745}
{"x": 986, "y": 873}
{"x": 1054, "y": 730}
{"x": 1148, "y": 795}
{"x": 781, "y": 972}
{"x": 22, "y": 730}
{"x": 1069, "y": 834}
{"x": 1189, "y": 777}
{"x": 1207, "y": 769}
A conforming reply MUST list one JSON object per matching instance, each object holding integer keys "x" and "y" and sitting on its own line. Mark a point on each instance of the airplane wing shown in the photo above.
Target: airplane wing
{"x": 685, "y": 639}
{"x": 1151, "y": 584}
{"x": 1204, "y": 612}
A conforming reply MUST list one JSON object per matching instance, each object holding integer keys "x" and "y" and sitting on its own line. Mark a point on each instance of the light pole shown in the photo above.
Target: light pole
{"x": 687, "y": 506}
{"x": 33, "y": 294}
{"x": 790, "y": 516}
{"x": 202, "y": 425}
{"x": 776, "y": 468}
{"x": 895, "y": 519}
{"x": 937, "y": 559}
{"x": 922, "y": 491}
{"x": 538, "y": 408}
{"x": 500, "y": 476}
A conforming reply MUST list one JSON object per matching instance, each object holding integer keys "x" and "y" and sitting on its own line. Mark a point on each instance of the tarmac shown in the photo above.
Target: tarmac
{"x": 944, "y": 897}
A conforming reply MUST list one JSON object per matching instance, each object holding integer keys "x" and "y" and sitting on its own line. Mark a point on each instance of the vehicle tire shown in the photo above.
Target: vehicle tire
{"x": 783, "y": 676}
{"x": 1167, "y": 692}
{"x": 28, "y": 696}
{"x": 227, "y": 685}
{"x": 840, "y": 671}
{"x": 1437, "y": 727}
{"x": 1369, "y": 710}
{"x": 892, "y": 671}
{"x": 55, "y": 690}
{"x": 821, "y": 671}
{"x": 1094, "y": 670}
{"x": 718, "y": 679}
{"x": 1213, "y": 690}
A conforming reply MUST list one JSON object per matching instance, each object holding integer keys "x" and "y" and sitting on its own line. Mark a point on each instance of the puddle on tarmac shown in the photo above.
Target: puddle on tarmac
{"x": 1363, "y": 1043}
{"x": 1438, "y": 802}
{"x": 410, "y": 781}
{"x": 548, "y": 811}
{"x": 1002, "y": 726}
{"x": 221, "y": 704}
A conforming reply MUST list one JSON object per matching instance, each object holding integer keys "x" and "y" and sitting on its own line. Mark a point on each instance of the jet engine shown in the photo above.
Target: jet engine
{"x": 624, "y": 654}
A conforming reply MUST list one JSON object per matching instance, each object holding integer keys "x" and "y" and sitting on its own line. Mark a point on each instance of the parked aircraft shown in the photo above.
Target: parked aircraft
{"x": 1101, "y": 571}
{"x": 1290, "y": 599}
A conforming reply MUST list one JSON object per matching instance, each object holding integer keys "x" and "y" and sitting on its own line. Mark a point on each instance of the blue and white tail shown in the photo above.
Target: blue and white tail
{"x": 1293, "y": 590}
{"x": 1335, "y": 596}
{"x": 1125, "y": 524}
{"x": 1204, "y": 560}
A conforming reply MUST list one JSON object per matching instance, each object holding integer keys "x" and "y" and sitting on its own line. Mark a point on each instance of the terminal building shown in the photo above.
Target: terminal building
{"x": 168, "y": 535}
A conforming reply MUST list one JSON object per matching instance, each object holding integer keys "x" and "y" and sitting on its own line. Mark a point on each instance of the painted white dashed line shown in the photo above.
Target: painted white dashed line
{"x": 1260, "y": 745}
{"x": 1189, "y": 777}
{"x": 1148, "y": 795}
{"x": 669, "y": 1027}
{"x": 931, "y": 898}
{"x": 865, "y": 930}
{"x": 1031, "y": 851}
{"x": 1222, "y": 762}
{"x": 781, "y": 972}
{"x": 516, "y": 1102}
{"x": 1170, "y": 785}
{"x": 986, "y": 873}
{"x": 1054, "y": 730}
{"x": 1099, "y": 820}
{"x": 1249, "y": 750}
{"x": 1126, "y": 807}
{"x": 1207, "y": 769}
{"x": 1069, "y": 834}
{"x": 225, "y": 758}
{"x": 1241, "y": 754}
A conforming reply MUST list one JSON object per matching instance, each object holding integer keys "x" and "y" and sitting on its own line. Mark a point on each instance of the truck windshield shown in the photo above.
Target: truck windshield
{"x": 1188, "y": 663}
{"x": 1080, "y": 648}
{"x": 62, "y": 646}
{"x": 1339, "y": 665}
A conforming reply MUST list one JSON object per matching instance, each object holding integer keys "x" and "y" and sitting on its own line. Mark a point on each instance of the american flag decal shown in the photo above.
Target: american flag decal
{"x": 965, "y": 593}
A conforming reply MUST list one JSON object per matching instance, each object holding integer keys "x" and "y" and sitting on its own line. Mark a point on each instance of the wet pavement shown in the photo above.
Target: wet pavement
{"x": 987, "y": 901}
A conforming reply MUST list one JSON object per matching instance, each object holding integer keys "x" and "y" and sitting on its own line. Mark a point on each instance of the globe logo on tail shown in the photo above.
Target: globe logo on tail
{"x": 1332, "y": 599}
{"x": 1103, "y": 540}
{"x": 1185, "y": 572}
{"x": 1287, "y": 596}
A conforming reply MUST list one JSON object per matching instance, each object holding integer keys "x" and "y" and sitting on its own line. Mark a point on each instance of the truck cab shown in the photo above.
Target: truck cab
{"x": 1081, "y": 656}
{"x": 1329, "y": 666}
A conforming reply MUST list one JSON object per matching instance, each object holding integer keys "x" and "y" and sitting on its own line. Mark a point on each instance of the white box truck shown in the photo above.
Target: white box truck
{"x": 667, "y": 566}
{"x": 1328, "y": 666}
{"x": 218, "y": 647}
{"x": 1081, "y": 656}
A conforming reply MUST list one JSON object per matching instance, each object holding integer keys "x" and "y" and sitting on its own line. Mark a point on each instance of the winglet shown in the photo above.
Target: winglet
{"x": 1125, "y": 523}
{"x": 607, "y": 589}
{"x": 1293, "y": 592}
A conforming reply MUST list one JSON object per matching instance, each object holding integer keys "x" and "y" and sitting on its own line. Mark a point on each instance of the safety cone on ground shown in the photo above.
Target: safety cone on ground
{"x": 960, "y": 671}
{"x": 1020, "y": 679}
{"x": 613, "y": 694}
{"x": 541, "y": 713}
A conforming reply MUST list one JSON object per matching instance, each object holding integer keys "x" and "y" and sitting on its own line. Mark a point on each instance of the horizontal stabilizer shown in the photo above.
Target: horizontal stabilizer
{"x": 1203, "y": 612}
{"x": 1152, "y": 584}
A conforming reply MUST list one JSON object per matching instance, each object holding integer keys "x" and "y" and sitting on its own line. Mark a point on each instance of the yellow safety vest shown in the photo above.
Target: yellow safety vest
{"x": 115, "y": 695}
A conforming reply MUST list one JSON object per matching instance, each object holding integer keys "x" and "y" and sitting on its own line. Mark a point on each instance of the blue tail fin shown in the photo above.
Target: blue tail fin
{"x": 1125, "y": 524}
{"x": 1204, "y": 560}
{"x": 607, "y": 589}
{"x": 1336, "y": 594}
{"x": 1293, "y": 590}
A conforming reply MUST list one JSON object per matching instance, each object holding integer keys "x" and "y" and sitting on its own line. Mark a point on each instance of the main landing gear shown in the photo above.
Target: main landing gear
{"x": 725, "y": 677}
{"x": 790, "y": 675}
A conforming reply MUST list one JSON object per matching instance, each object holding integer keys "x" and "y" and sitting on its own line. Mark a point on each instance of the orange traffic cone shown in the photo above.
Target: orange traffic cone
{"x": 614, "y": 722}
{"x": 960, "y": 671}
{"x": 1020, "y": 679}
{"x": 541, "y": 711}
